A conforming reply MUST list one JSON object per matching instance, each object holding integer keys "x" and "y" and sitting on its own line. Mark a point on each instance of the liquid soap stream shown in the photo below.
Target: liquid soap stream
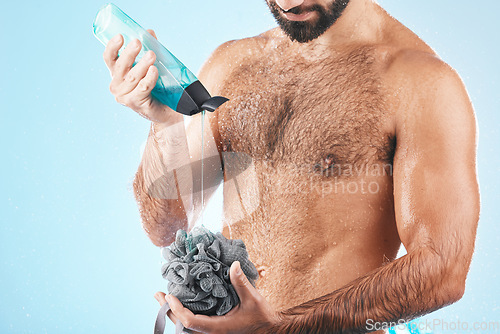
{"x": 202, "y": 156}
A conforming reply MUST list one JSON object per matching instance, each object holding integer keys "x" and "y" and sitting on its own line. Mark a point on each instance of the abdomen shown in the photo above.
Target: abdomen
{"x": 307, "y": 243}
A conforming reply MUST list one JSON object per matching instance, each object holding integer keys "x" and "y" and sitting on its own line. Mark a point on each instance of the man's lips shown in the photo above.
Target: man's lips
{"x": 298, "y": 17}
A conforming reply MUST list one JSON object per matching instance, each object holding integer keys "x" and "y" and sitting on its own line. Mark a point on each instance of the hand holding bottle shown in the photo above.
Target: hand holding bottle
{"x": 176, "y": 86}
{"x": 132, "y": 85}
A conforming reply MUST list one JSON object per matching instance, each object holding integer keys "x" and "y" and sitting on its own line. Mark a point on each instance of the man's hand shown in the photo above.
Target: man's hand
{"x": 252, "y": 315}
{"x": 132, "y": 85}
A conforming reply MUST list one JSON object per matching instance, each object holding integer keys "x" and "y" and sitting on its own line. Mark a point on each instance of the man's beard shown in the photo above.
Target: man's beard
{"x": 303, "y": 32}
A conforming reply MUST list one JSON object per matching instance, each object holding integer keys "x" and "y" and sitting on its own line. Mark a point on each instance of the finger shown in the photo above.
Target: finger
{"x": 111, "y": 51}
{"x": 137, "y": 73}
{"x": 141, "y": 94}
{"x": 201, "y": 323}
{"x": 242, "y": 285}
{"x": 160, "y": 297}
{"x": 126, "y": 59}
{"x": 152, "y": 32}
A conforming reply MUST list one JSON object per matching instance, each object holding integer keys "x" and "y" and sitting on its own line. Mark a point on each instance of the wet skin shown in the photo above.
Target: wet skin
{"x": 320, "y": 137}
{"x": 359, "y": 140}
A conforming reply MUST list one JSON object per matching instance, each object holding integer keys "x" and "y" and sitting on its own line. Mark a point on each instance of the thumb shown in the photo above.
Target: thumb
{"x": 239, "y": 280}
{"x": 152, "y": 32}
{"x": 160, "y": 297}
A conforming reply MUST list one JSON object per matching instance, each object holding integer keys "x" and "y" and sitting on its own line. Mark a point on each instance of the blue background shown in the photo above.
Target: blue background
{"x": 73, "y": 255}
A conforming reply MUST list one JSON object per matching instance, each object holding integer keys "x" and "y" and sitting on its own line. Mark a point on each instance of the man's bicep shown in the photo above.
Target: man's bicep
{"x": 215, "y": 69}
{"x": 435, "y": 183}
{"x": 212, "y": 74}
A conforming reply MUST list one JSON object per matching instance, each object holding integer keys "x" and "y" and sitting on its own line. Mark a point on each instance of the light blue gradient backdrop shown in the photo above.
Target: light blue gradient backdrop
{"x": 73, "y": 256}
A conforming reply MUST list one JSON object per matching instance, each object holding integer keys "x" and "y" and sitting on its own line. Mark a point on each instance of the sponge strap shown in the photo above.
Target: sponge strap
{"x": 161, "y": 322}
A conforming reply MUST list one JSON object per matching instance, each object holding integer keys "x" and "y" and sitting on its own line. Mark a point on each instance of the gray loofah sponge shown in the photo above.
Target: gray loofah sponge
{"x": 197, "y": 269}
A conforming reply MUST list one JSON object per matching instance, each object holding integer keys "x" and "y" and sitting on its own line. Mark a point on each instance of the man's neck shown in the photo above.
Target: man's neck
{"x": 362, "y": 21}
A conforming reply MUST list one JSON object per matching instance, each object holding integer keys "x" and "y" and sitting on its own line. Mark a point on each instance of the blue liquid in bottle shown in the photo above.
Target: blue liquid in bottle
{"x": 173, "y": 78}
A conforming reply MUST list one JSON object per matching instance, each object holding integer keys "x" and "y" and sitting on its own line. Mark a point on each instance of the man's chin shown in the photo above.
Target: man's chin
{"x": 304, "y": 36}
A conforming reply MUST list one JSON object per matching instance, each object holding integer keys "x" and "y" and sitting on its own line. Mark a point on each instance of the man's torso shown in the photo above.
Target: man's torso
{"x": 315, "y": 208}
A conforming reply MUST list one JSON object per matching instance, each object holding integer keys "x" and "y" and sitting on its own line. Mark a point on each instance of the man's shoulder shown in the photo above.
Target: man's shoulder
{"x": 406, "y": 53}
{"x": 406, "y": 58}
{"x": 415, "y": 63}
{"x": 419, "y": 71}
{"x": 421, "y": 86}
{"x": 231, "y": 54}
{"x": 239, "y": 49}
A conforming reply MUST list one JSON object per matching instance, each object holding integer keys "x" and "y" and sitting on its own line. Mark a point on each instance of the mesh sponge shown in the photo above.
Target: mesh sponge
{"x": 197, "y": 270}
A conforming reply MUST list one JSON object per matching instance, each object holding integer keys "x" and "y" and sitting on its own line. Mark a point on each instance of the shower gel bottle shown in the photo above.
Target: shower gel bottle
{"x": 177, "y": 87}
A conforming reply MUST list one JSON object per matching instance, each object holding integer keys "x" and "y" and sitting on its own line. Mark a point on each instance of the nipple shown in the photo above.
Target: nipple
{"x": 262, "y": 270}
{"x": 325, "y": 166}
{"x": 226, "y": 145}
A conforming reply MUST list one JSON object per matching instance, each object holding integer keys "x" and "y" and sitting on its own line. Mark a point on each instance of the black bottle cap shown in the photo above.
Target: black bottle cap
{"x": 196, "y": 98}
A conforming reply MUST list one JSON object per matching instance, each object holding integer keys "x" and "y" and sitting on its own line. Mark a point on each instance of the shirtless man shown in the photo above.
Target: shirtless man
{"x": 361, "y": 139}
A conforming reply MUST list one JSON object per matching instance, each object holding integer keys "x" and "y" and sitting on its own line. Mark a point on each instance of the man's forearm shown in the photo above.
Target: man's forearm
{"x": 160, "y": 180}
{"x": 406, "y": 288}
